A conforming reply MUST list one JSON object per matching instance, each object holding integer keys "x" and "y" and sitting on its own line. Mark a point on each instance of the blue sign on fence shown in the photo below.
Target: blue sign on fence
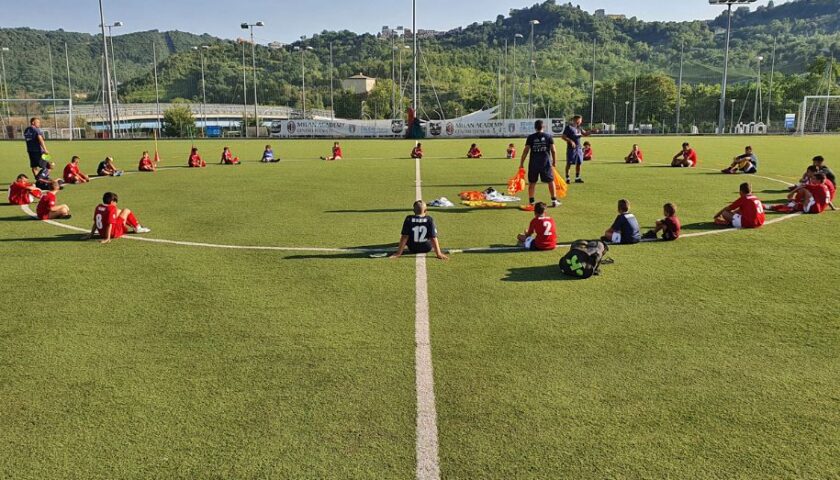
{"x": 213, "y": 132}
{"x": 790, "y": 121}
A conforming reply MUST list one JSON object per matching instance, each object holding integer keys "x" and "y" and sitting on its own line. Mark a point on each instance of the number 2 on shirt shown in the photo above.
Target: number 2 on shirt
{"x": 420, "y": 233}
{"x": 547, "y": 226}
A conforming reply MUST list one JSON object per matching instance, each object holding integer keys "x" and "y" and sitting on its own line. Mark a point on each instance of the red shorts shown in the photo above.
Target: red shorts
{"x": 117, "y": 229}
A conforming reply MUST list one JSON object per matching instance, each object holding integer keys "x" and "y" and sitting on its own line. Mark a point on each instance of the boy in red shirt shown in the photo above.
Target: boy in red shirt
{"x": 474, "y": 152}
{"x": 195, "y": 160}
{"x": 588, "y": 153}
{"x": 228, "y": 158}
{"x": 417, "y": 151}
{"x": 816, "y": 196}
{"x": 337, "y": 154}
{"x": 72, "y": 174}
{"x": 746, "y": 212}
{"x": 687, "y": 157}
{"x": 21, "y": 192}
{"x": 635, "y": 156}
{"x": 110, "y": 222}
{"x": 47, "y": 209}
{"x": 146, "y": 163}
{"x": 511, "y": 151}
{"x": 541, "y": 233}
{"x": 670, "y": 226}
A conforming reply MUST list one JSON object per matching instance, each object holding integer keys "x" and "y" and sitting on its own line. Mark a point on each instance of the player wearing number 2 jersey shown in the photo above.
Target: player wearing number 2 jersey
{"x": 110, "y": 222}
{"x": 419, "y": 234}
{"x": 541, "y": 233}
{"x": 746, "y": 212}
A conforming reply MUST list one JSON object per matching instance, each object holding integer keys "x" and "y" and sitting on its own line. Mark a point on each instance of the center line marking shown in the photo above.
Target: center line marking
{"x": 428, "y": 467}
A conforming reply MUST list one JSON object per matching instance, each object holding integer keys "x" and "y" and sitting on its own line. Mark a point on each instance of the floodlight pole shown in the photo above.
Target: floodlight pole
{"x": 244, "y": 92}
{"x": 114, "y": 67}
{"x": 772, "y": 74}
{"x": 69, "y": 89}
{"x": 107, "y": 70}
{"x": 592, "y": 106}
{"x": 513, "y": 83}
{"x": 251, "y": 26}
{"x": 332, "y": 98}
{"x": 531, "y": 72}
{"x": 157, "y": 92}
{"x": 414, "y": 53}
{"x": 5, "y": 84}
{"x": 757, "y": 113}
{"x": 722, "y": 116}
{"x": 52, "y": 84}
{"x": 679, "y": 88}
{"x": 203, "y": 90}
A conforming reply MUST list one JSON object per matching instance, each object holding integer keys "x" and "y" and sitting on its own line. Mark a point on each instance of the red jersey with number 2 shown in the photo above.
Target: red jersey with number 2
{"x": 107, "y": 215}
{"x": 546, "y": 232}
{"x": 751, "y": 210}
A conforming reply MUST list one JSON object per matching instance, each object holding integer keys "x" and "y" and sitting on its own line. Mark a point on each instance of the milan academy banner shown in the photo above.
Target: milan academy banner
{"x": 456, "y": 128}
{"x": 338, "y": 128}
{"x": 464, "y": 128}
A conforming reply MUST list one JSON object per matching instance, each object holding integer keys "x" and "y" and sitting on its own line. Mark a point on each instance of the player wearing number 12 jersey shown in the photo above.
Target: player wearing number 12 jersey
{"x": 419, "y": 234}
{"x": 110, "y": 222}
{"x": 541, "y": 233}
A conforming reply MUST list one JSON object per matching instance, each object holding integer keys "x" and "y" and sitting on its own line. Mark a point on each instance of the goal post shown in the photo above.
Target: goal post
{"x": 56, "y": 114}
{"x": 819, "y": 114}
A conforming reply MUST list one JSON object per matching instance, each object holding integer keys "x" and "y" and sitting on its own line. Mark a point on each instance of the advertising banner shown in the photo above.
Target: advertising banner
{"x": 337, "y": 128}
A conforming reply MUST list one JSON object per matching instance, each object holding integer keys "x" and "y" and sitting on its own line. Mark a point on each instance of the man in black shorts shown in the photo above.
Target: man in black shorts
{"x": 35, "y": 146}
{"x": 419, "y": 234}
{"x": 543, "y": 159}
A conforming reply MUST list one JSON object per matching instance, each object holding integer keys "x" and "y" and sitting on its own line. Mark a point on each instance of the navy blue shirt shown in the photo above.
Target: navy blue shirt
{"x": 540, "y": 144}
{"x": 628, "y": 226}
{"x": 420, "y": 231}
{"x": 573, "y": 133}
{"x": 31, "y": 135}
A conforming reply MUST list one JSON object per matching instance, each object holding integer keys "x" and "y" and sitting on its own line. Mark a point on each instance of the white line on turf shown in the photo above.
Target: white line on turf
{"x": 427, "y": 431}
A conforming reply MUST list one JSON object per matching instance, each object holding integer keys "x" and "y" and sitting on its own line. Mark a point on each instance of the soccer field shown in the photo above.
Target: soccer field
{"x": 251, "y": 335}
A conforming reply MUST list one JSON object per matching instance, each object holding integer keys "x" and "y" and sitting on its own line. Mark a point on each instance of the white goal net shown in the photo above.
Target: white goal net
{"x": 819, "y": 114}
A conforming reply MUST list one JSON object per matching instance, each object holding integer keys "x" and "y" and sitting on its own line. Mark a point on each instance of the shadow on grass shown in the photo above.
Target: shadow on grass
{"x": 536, "y": 274}
{"x": 367, "y": 251}
{"x": 467, "y": 185}
{"x": 432, "y": 210}
{"x": 16, "y": 219}
{"x": 64, "y": 237}
{"x": 702, "y": 226}
{"x": 780, "y": 190}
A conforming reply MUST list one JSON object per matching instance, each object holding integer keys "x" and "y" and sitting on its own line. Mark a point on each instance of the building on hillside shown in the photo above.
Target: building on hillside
{"x": 359, "y": 84}
{"x": 600, "y": 12}
{"x": 277, "y": 45}
{"x": 617, "y": 16}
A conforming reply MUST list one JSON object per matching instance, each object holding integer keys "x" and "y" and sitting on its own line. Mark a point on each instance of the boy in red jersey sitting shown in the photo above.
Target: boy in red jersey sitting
{"x": 588, "y": 153}
{"x": 228, "y": 158}
{"x": 72, "y": 174}
{"x": 687, "y": 157}
{"x": 47, "y": 208}
{"x": 146, "y": 163}
{"x": 337, "y": 154}
{"x": 195, "y": 160}
{"x": 635, "y": 155}
{"x": 670, "y": 226}
{"x": 511, "y": 151}
{"x": 417, "y": 151}
{"x": 816, "y": 195}
{"x": 541, "y": 233}
{"x": 21, "y": 192}
{"x": 110, "y": 222}
{"x": 474, "y": 152}
{"x": 746, "y": 212}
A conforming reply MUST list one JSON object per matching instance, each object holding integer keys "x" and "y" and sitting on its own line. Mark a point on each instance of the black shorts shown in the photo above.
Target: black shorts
{"x": 35, "y": 160}
{"x": 419, "y": 248}
{"x": 540, "y": 171}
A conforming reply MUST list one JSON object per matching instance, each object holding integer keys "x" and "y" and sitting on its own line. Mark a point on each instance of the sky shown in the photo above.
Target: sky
{"x": 287, "y": 20}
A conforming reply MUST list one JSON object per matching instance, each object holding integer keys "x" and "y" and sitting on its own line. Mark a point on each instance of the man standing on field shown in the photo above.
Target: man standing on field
{"x": 35, "y": 146}
{"x": 543, "y": 160}
{"x": 574, "y": 150}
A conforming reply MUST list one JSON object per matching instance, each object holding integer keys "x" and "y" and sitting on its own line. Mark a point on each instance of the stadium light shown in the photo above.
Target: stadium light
{"x": 303, "y": 73}
{"x": 203, "y": 88}
{"x": 531, "y": 71}
{"x": 107, "y": 63}
{"x": 5, "y": 85}
{"x": 728, "y": 3}
{"x": 247, "y": 26}
{"x": 513, "y": 83}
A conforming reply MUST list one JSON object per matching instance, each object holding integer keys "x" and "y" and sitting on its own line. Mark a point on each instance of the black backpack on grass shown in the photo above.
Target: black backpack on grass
{"x": 584, "y": 258}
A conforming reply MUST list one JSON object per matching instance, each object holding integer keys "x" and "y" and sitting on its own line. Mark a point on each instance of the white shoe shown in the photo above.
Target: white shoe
{"x": 142, "y": 229}
{"x": 556, "y": 203}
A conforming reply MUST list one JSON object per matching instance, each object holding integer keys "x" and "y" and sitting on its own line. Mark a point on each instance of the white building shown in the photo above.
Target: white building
{"x": 359, "y": 84}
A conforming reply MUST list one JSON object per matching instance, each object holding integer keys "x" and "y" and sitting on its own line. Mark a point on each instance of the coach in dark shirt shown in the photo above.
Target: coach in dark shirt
{"x": 35, "y": 146}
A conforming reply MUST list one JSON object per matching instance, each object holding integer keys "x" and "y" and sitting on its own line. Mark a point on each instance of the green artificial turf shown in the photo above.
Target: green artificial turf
{"x": 710, "y": 357}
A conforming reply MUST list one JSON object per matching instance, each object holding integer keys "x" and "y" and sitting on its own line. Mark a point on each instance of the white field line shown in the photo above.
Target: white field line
{"x": 428, "y": 467}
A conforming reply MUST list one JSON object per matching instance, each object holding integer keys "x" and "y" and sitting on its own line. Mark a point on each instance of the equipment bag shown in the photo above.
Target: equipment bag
{"x": 584, "y": 258}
